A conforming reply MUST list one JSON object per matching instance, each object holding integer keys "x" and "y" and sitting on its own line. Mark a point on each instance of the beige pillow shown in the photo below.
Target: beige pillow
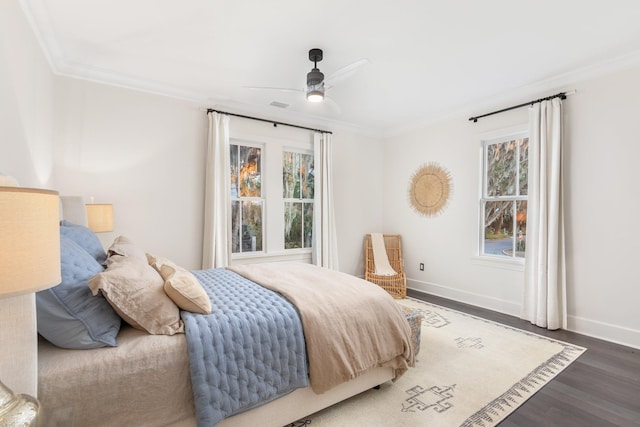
{"x": 181, "y": 286}
{"x": 125, "y": 247}
{"x": 135, "y": 291}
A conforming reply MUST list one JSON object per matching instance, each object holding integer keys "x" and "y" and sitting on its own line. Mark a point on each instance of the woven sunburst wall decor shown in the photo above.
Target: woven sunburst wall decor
{"x": 430, "y": 189}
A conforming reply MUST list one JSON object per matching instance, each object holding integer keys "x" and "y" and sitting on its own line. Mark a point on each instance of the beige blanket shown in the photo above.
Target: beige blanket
{"x": 350, "y": 325}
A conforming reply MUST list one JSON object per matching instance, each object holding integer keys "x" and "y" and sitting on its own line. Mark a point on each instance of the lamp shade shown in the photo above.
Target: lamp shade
{"x": 99, "y": 217}
{"x": 29, "y": 240}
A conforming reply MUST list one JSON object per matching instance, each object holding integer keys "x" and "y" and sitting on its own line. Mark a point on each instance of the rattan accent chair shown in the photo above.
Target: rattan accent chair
{"x": 396, "y": 285}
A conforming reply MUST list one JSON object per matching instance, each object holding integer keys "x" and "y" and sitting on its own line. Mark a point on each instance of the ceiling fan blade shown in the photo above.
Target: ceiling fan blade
{"x": 332, "y": 104}
{"x": 345, "y": 72}
{"x": 280, "y": 89}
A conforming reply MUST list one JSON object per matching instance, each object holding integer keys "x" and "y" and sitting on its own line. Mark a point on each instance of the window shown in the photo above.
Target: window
{"x": 503, "y": 207}
{"x": 272, "y": 196}
{"x": 247, "y": 203}
{"x": 298, "y": 186}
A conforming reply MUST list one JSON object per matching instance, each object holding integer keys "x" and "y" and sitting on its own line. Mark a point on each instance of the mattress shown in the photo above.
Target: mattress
{"x": 147, "y": 375}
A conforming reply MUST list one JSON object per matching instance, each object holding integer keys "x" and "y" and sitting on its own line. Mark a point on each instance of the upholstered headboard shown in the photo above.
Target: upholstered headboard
{"x": 72, "y": 209}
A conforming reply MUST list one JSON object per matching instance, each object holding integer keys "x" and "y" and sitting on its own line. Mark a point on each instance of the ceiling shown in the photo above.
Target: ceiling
{"x": 426, "y": 59}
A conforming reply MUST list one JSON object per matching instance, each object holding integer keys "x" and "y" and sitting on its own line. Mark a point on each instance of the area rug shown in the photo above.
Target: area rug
{"x": 469, "y": 372}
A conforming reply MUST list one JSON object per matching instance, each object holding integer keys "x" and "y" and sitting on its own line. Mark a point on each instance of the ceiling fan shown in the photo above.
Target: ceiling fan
{"x": 315, "y": 78}
{"x": 317, "y": 85}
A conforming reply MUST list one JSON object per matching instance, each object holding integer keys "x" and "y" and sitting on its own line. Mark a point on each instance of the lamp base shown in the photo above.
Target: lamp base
{"x": 17, "y": 410}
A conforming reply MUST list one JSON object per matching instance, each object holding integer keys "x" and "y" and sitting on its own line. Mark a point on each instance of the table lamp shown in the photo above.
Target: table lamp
{"x": 99, "y": 217}
{"x": 29, "y": 262}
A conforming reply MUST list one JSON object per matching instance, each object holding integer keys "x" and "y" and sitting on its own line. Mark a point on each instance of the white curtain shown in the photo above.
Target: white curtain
{"x": 545, "y": 277}
{"x": 216, "y": 246}
{"x": 325, "y": 245}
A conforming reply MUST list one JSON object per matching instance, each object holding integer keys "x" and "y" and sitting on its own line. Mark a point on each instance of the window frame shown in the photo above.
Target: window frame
{"x": 508, "y": 262}
{"x": 273, "y": 146}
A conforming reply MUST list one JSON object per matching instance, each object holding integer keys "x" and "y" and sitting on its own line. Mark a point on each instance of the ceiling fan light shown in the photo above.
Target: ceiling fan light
{"x": 315, "y": 96}
{"x": 315, "y": 91}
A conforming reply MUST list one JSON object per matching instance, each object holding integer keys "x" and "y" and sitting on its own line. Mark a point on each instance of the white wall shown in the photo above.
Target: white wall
{"x": 26, "y": 102}
{"x": 601, "y": 154}
{"x": 602, "y": 202}
{"x": 145, "y": 154}
{"x": 142, "y": 153}
{"x": 358, "y": 187}
{"x": 445, "y": 243}
{"x": 26, "y": 147}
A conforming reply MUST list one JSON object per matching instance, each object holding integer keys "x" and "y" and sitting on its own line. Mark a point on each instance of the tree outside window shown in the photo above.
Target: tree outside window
{"x": 504, "y": 198}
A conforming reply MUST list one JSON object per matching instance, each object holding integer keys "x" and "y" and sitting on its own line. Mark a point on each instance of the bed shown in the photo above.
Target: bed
{"x": 156, "y": 379}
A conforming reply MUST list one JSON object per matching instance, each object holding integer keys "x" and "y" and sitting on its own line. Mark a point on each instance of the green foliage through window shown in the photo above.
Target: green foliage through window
{"x": 504, "y": 199}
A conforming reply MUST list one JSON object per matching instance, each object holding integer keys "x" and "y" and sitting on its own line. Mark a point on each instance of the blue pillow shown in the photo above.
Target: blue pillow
{"x": 69, "y": 316}
{"x": 85, "y": 238}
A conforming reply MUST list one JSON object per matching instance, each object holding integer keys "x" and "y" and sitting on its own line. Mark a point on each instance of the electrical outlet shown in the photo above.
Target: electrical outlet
{"x": 422, "y": 266}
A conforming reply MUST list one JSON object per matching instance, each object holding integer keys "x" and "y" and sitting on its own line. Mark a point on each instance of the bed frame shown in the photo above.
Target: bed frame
{"x": 145, "y": 382}
{"x": 304, "y": 402}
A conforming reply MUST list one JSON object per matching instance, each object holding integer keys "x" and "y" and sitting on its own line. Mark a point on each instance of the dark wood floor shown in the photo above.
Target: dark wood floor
{"x": 601, "y": 388}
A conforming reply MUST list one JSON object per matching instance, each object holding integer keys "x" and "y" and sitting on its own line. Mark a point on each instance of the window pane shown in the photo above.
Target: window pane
{"x": 234, "y": 170}
{"x": 235, "y": 226}
{"x": 290, "y": 174}
{"x": 307, "y": 174}
{"x": 521, "y": 227}
{"x": 498, "y": 228}
{"x": 501, "y": 169}
{"x": 308, "y": 224}
{"x": 524, "y": 166}
{"x": 292, "y": 225}
{"x": 250, "y": 178}
{"x": 251, "y": 226}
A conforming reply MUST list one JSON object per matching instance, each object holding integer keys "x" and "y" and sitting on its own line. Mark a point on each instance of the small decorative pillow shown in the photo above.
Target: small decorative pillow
{"x": 182, "y": 286}
{"x": 125, "y": 247}
{"x": 135, "y": 291}
{"x": 85, "y": 238}
{"x": 68, "y": 315}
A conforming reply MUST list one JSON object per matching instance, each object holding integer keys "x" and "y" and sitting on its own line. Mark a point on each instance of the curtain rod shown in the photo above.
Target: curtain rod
{"x": 275, "y": 123}
{"x": 561, "y": 95}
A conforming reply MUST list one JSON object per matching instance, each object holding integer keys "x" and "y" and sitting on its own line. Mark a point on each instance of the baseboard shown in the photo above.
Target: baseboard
{"x": 605, "y": 331}
{"x": 490, "y": 303}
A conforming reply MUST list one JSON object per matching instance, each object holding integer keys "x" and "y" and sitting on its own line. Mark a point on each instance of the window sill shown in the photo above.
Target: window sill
{"x": 498, "y": 262}
{"x": 251, "y": 258}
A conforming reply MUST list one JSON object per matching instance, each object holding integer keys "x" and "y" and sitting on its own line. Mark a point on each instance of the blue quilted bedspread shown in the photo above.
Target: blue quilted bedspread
{"x": 249, "y": 351}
